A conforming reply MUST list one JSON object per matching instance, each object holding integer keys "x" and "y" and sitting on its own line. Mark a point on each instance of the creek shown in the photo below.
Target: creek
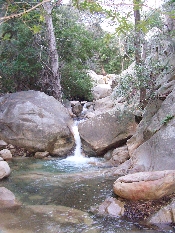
{"x": 56, "y": 196}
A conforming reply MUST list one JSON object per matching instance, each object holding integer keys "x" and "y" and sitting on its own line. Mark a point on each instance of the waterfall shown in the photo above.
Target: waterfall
{"x": 78, "y": 151}
{"x": 77, "y": 156}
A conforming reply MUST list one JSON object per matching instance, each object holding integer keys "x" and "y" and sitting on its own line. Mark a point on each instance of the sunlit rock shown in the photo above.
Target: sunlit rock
{"x": 145, "y": 185}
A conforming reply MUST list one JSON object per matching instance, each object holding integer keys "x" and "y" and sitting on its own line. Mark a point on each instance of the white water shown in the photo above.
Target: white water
{"x": 78, "y": 156}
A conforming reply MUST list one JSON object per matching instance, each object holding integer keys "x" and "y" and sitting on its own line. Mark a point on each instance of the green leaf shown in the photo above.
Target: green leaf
{"x": 36, "y": 29}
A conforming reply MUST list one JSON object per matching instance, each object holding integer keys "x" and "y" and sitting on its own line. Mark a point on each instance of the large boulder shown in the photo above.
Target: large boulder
{"x": 106, "y": 131}
{"x": 145, "y": 185}
{"x": 36, "y": 122}
{"x": 4, "y": 169}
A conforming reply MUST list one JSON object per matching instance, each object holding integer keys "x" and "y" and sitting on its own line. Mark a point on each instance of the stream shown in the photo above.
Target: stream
{"x": 56, "y": 196}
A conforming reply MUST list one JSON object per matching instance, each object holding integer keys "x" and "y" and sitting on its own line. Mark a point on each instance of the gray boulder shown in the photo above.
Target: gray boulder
{"x": 36, "y": 122}
{"x": 106, "y": 131}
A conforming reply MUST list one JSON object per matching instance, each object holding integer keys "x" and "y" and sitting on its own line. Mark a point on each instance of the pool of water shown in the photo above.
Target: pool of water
{"x": 56, "y": 195}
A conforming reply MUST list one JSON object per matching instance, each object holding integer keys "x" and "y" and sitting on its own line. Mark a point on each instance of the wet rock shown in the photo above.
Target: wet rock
{"x": 145, "y": 185}
{"x": 7, "y": 198}
{"x": 63, "y": 214}
{"x": 76, "y": 108}
{"x": 6, "y": 154}
{"x": 4, "y": 169}
{"x": 41, "y": 155}
{"x": 111, "y": 206}
{"x": 108, "y": 155}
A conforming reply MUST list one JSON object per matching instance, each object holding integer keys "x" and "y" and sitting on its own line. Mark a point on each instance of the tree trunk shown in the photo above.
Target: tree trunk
{"x": 137, "y": 44}
{"x": 53, "y": 54}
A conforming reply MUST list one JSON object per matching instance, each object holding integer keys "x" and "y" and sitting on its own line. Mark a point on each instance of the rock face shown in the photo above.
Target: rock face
{"x": 36, "y": 122}
{"x": 145, "y": 185}
{"x": 4, "y": 169}
{"x": 105, "y": 131}
{"x": 153, "y": 147}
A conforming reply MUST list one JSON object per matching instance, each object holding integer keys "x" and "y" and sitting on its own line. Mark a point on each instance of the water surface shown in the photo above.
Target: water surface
{"x": 57, "y": 195}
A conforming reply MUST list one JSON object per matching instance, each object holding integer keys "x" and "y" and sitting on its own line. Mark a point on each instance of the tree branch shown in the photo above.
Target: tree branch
{"x": 5, "y": 18}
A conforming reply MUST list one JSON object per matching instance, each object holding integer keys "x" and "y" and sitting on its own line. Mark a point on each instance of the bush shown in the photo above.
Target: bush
{"x": 76, "y": 84}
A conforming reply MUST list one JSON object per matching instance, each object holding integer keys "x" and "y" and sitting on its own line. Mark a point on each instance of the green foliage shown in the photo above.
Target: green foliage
{"x": 142, "y": 76}
{"x": 75, "y": 46}
{"x": 76, "y": 84}
{"x": 19, "y": 66}
{"x": 92, "y": 6}
{"x": 167, "y": 119}
{"x": 109, "y": 55}
{"x": 74, "y": 41}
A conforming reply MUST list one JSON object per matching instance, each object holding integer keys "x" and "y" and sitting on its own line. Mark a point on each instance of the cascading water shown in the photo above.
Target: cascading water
{"x": 78, "y": 150}
{"x": 78, "y": 156}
